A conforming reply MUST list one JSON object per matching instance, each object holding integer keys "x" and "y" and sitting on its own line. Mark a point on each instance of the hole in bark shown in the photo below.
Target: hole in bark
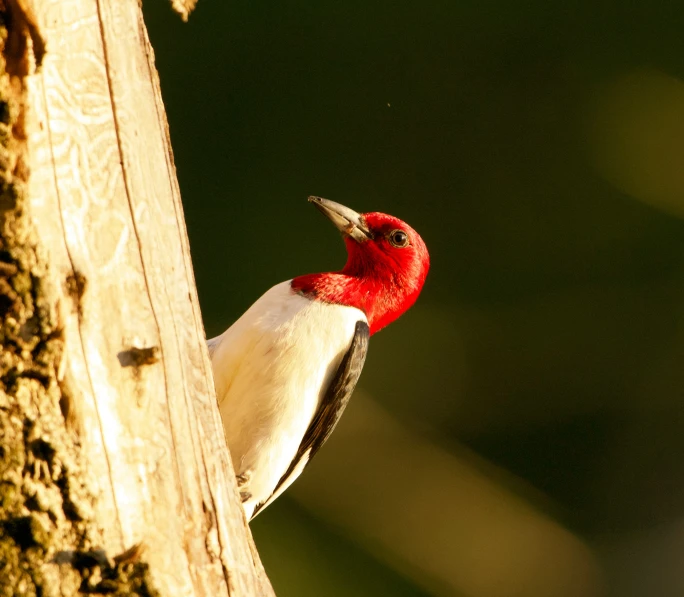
{"x": 20, "y": 530}
{"x": 136, "y": 357}
{"x": 82, "y": 559}
{"x": 6, "y": 304}
{"x": 4, "y": 112}
{"x": 41, "y": 449}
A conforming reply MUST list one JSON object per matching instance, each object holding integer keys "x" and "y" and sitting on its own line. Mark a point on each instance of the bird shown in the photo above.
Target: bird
{"x": 285, "y": 370}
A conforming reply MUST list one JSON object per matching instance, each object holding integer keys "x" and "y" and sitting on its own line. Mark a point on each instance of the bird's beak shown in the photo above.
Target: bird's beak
{"x": 346, "y": 220}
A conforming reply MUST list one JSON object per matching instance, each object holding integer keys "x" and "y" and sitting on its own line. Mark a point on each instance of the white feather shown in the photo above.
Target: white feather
{"x": 271, "y": 368}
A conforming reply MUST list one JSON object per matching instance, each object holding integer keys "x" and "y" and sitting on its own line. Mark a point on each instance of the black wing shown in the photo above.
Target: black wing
{"x": 329, "y": 412}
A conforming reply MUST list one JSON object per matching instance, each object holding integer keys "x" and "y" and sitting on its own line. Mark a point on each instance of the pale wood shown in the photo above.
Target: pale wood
{"x": 183, "y": 7}
{"x": 105, "y": 205}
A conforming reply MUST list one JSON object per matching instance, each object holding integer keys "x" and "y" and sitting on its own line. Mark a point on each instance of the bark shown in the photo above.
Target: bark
{"x": 114, "y": 473}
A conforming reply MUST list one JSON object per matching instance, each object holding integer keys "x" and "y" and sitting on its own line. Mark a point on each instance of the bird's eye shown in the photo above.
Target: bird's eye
{"x": 398, "y": 238}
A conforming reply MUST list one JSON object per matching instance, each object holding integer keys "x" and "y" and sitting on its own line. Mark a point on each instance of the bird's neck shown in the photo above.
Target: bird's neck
{"x": 382, "y": 301}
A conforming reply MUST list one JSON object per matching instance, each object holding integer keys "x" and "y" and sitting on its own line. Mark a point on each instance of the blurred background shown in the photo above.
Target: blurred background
{"x": 520, "y": 432}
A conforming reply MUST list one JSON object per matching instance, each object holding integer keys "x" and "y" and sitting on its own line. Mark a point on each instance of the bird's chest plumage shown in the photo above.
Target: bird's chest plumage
{"x": 271, "y": 368}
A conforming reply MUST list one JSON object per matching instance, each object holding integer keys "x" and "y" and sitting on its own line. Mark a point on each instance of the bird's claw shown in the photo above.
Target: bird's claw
{"x": 243, "y": 478}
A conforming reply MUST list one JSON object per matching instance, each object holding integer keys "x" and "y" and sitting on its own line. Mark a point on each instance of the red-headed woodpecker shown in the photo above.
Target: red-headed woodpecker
{"x": 286, "y": 369}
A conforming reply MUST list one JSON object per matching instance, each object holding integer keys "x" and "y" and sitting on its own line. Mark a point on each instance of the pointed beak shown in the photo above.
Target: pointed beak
{"x": 347, "y": 221}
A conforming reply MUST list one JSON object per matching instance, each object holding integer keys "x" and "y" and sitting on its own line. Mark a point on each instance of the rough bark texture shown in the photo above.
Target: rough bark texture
{"x": 114, "y": 474}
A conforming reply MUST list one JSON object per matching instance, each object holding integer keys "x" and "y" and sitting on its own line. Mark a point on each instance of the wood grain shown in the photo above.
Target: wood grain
{"x": 106, "y": 206}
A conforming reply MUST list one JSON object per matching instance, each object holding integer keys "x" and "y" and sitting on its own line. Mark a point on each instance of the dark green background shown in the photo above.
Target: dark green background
{"x": 555, "y": 348}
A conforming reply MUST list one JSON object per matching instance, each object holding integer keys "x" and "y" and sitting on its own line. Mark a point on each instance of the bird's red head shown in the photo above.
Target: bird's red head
{"x": 387, "y": 263}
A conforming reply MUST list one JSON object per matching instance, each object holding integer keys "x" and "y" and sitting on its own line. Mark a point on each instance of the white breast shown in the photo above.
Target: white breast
{"x": 271, "y": 368}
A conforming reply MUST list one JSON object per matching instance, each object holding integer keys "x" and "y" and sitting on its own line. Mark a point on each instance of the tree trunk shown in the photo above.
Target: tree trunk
{"x": 114, "y": 473}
